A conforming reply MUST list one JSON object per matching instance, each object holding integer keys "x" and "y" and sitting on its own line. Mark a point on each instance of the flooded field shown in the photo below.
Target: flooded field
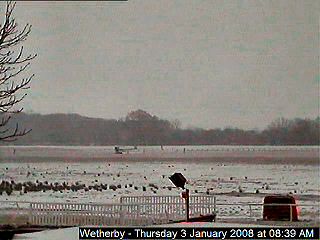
{"x": 234, "y": 175}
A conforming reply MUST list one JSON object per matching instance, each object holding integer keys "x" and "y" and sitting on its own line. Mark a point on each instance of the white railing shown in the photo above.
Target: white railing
{"x": 255, "y": 210}
{"x": 70, "y": 214}
{"x": 173, "y": 207}
{"x": 248, "y": 148}
{"x": 143, "y": 210}
{"x": 139, "y": 210}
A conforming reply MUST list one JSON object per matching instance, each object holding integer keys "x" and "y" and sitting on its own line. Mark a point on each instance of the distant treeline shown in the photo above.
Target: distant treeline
{"x": 141, "y": 128}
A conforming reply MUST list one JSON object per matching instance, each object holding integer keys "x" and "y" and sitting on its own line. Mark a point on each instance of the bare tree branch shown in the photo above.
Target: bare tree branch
{"x": 15, "y": 134}
{"x": 13, "y": 62}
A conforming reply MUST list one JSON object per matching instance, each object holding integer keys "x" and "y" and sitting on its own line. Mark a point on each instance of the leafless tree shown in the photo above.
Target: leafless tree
{"x": 12, "y": 63}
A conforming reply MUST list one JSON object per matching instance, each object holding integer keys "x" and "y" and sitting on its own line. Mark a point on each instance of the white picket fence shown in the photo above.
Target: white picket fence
{"x": 173, "y": 206}
{"x": 131, "y": 211}
{"x": 71, "y": 214}
{"x": 141, "y": 210}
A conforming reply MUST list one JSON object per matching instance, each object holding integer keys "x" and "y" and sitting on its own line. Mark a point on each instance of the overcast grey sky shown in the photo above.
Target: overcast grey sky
{"x": 207, "y": 63}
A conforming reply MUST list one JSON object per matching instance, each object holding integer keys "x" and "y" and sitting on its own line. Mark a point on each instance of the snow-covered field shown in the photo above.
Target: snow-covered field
{"x": 234, "y": 174}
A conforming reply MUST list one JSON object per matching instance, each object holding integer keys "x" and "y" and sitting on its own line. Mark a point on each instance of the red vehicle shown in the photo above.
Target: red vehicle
{"x": 281, "y": 208}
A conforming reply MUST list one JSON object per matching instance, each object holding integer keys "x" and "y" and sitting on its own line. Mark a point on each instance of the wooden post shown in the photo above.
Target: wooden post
{"x": 187, "y": 204}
